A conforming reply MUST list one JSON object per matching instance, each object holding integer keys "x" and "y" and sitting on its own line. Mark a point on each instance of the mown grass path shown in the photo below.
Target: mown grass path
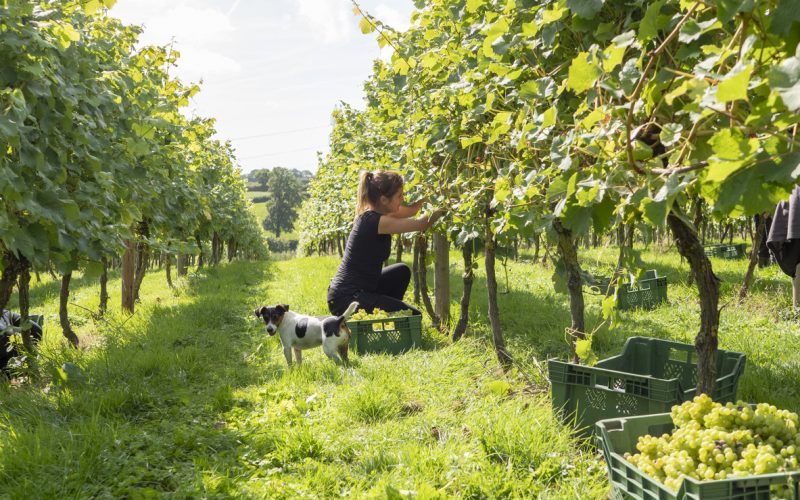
{"x": 190, "y": 399}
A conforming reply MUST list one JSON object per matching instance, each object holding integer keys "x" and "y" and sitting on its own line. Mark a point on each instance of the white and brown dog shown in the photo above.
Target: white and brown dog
{"x": 299, "y": 332}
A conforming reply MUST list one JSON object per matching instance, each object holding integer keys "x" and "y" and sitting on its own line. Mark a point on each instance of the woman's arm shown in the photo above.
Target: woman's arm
{"x": 394, "y": 225}
{"x": 406, "y": 211}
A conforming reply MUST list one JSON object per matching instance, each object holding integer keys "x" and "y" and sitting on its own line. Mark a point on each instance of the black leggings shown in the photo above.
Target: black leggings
{"x": 392, "y": 285}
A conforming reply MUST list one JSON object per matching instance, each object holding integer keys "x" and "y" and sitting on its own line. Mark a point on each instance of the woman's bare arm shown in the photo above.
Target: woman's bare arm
{"x": 406, "y": 211}
{"x": 394, "y": 225}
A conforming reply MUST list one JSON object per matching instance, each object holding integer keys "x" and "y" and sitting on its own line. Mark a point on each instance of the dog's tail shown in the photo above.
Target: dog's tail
{"x": 350, "y": 310}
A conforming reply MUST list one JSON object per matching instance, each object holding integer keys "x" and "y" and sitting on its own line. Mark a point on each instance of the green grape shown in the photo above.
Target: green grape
{"x": 362, "y": 315}
{"x": 712, "y": 441}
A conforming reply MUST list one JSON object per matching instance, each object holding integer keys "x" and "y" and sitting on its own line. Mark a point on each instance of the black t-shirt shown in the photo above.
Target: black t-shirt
{"x": 363, "y": 258}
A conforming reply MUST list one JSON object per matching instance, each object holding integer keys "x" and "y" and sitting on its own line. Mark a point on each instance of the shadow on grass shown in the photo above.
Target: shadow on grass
{"x": 50, "y": 288}
{"x": 535, "y": 323}
{"x": 679, "y": 273}
{"x": 149, "y": 404}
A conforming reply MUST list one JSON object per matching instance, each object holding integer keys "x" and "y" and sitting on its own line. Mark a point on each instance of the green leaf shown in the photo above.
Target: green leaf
{"x": 693, "y": 30}
{"x": 787, "y": 13}
{"x": 499, "y": 28}
{"x": 549, "y": 117}
{"x": 727, "y": 9}
{"x": 585, "y": 8}
{"x": 530, "y": 29}
{"x": 541, "y": 89}
{"x": 629, "y": 75}
{"x": 719, "y": 171}
{"x": 592, "y": 118}
{"x": 93, "y": 270}
{"x": 468, "y": 141}
{"x": 731, "y": 144}
{"x": 91, "y": 7}
{"x": 577, "y": 219}
{"x": 670, "y": 133}
{"x": 785, "y": 79}
{"x": 502, "y": 189}
{"x": 583, "y": 347}
{"x": 693, "y": 87}
{"x": 499, "y": 69}
{"x": 625, "y": 39}
{"x": 559, "y": 278}
{"x": 66, "y": 34}
{"x": 501, "y": 119}
{"x": 366, "y": 26}
{"x": 553, "y": 15}
{"x": 651, "y": 23}
{"x": 472, "y": 5}
{"x": 613, "y": 56}
{"x": 609, "y": 305}
{"x": 735, "y": 84}
{"x": 493, "y": 40}
{"x": 583, "y": 73}
{"x": 786, "y": 171}
{"x": 654, "y": 212}
{"x": 603, "y": 214}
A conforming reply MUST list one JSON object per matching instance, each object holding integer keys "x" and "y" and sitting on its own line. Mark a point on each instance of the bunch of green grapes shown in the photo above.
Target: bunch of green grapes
{"x": 361, "y": 314}
{"x": 713, "y": 441}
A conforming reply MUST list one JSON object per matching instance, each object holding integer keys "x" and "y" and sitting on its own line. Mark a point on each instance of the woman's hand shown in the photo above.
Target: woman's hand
{"x": 436, "y": 215}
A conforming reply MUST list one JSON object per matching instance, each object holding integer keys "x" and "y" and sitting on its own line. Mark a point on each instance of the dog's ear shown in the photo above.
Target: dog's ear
{"x": 285, "y": 306}
{"x": 260, "y": 311}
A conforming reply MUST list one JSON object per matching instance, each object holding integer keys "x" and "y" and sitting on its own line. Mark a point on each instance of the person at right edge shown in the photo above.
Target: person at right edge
{"x": 784, "y": 240}
{"x": 379, "y": 214}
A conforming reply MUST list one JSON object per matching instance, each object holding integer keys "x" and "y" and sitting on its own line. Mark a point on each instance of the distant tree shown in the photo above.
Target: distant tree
{"x": 261, "y": 176}
{"x": 286, "y": 195}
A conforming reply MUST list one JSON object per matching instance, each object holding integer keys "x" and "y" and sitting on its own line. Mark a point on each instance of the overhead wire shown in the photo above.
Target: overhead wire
{"x": 279, "y": 153}
{"x": 270, "y": 134}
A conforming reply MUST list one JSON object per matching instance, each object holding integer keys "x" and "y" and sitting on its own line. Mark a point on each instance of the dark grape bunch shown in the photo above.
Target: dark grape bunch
{"x": 361, "y": 314}
{"x": 713, "y": 441}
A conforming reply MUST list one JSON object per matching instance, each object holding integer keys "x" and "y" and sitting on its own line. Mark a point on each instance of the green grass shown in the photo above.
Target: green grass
{"x": 260, "y": 211}
{"x": 190, "y": 397}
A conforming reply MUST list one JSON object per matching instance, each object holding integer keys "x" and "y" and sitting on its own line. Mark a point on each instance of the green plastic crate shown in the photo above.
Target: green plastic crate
{"x": 735, "y": 251}
{"x": 724, "y": 251}
{"x": 649, "y": 291}
{"x": 649, "y": 376}
{"x": 387, "y": 335}
{"x": 712, "y": 250}
{"x": 604, "y": 284}
{"x": 600, "y": 284}
{"x": 619, "y": 436}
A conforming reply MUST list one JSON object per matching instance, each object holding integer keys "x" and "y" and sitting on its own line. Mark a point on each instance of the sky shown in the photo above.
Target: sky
{"x": 272, "y": 71}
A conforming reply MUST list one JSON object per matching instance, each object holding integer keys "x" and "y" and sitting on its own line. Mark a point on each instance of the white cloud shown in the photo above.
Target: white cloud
{"x": 392, "y": 17}
{"x": 197, "y": 62}
{"x": 137, "y": 11}
{"x": 331, "y": 20}
{"x": 187, "y": 25}
{"x": 195, "y": 31}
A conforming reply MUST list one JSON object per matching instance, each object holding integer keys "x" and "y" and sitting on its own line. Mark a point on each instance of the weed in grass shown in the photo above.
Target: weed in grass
{"x": 370, "y": 404}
